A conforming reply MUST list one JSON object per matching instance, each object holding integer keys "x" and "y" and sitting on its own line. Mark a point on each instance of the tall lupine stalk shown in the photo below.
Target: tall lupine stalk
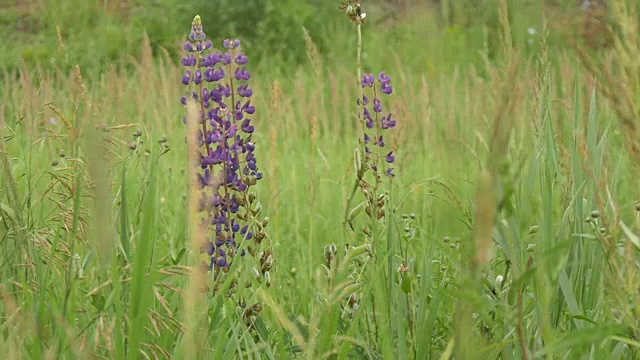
{"x": 374, "y": 126}
{"x": 218, "y": 82}
{"x": 375, "y": 121}
{"x": 374, "y": 163}
{"x": 378, "y": 162}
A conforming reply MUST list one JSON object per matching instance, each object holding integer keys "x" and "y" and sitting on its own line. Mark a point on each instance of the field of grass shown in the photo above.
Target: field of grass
{"x": 511, "y": 229}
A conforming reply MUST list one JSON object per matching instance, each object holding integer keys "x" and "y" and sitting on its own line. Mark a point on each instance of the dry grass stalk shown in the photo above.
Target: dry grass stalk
{"x": 193, "y": 304}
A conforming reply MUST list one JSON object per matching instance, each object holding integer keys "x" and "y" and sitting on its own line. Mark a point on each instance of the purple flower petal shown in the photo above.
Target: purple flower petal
{"x": 390, "y": 173}
{"x": 390, "y": 157}
{"x": 377, "y": 106}
{"x": 186, "y": 78}
{"x": 241, "y": 59}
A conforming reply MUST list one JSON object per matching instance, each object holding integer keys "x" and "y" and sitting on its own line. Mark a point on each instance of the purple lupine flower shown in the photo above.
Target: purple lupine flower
{"x": 231, "y": 44}
{"x": 218, "y": 82}
{"x": 244, "y": 91}
{"x": 186, "y": 78}
{"x": 368, "y": 80}
{"x": 384, "y": 78}
{"x": 197, "y": 79}
{"x": 213, "y": 75}
{"x": 226, "y": 58}
{"x": 364, "y": 101}
{"x": 376, "y": 122}
{"x": 377, "y": 106}
{"x": 248, "y": 108}
{"x": 390, "y": 157}
{"x": 247, "y": 127}
{"x": 197, "y": 34}
{"x": 387, "y": 122}
{"x": 241, "y": 59}
{"x": 242, "y": 74}
{"x": 369, "y": 123}
{"x": 212, "y": 60}
{"x": 189, "y": 60}
{"x": 389, "y": 172}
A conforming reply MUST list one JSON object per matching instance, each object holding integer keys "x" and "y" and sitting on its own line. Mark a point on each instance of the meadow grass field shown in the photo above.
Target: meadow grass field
{"x": 510, "y": 229}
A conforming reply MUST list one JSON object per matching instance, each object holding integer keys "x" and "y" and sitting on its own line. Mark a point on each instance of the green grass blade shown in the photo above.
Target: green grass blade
{"x": 143, "y": 274}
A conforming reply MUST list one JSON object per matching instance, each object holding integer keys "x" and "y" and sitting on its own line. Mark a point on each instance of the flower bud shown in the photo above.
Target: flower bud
{"x": 268, "y": 263}
{"x": 359, "y": 250}
{"x": 497, "y": 284}
{"x": 407, "y": 282}
{"x": 367, "y": 231}
{"x": 256, "y": 211}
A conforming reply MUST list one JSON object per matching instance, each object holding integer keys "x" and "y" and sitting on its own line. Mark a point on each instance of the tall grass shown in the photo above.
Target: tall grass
{"x": 514, "y": 209}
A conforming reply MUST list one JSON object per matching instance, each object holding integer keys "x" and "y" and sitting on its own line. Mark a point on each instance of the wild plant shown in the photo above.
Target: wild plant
{"x": 219, "y": 111}
{"x": 374, "y": 164}
{"x": 616, "y": 223}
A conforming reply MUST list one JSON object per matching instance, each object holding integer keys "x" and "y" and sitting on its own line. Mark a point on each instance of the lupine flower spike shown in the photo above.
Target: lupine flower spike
{"x": 376, "y": 121}
{"x": 218, "y": 82}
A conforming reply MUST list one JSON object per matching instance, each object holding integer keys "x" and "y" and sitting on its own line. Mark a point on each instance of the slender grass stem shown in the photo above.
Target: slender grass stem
{"x": 360, "y": 169}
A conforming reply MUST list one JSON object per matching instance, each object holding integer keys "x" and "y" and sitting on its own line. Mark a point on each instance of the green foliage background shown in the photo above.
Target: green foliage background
{"x": 98, "y": 33}
{"x": 565, "y": 181}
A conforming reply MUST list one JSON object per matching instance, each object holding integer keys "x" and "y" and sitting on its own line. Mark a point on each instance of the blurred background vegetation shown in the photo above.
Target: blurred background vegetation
{"x": 573, "y": 155}
{"x": 96, "y": 34}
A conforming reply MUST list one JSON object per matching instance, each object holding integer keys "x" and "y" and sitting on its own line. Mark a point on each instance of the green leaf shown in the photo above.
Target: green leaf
{"x": 143, "y": 273}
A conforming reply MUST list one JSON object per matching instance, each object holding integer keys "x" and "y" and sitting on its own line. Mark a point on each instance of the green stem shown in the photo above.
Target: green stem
{"x": 361, "y": 168}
